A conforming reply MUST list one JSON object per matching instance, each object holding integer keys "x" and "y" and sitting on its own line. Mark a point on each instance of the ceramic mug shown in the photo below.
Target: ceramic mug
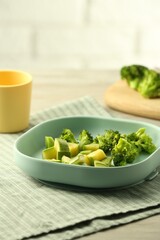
{"x": 15, "y": 99}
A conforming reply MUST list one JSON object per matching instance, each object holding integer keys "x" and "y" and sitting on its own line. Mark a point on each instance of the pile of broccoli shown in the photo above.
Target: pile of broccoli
{"x": 121, "y": 148}
{"x": 144, "y": 80}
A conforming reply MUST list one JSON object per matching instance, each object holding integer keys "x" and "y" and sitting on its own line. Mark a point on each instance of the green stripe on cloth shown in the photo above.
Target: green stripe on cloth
{"x": 29, "y": 208}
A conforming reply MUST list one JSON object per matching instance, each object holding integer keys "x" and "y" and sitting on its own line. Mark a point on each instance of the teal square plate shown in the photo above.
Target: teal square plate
{"x": 28, "y": 154}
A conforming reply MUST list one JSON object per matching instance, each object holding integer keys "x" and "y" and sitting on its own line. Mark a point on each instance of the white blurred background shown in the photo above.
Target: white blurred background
{"x": 79, "y": 34}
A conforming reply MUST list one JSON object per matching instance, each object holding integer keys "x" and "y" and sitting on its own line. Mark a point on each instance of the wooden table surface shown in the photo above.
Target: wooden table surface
{"x": 56, "y": 87}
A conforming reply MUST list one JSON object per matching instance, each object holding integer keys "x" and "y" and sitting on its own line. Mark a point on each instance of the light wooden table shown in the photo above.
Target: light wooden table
{"x": 52, "y": 88}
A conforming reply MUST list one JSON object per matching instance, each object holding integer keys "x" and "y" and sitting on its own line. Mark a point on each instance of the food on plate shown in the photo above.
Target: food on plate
{"x": 142, "y": 79}
{"x": 109, "y": 149}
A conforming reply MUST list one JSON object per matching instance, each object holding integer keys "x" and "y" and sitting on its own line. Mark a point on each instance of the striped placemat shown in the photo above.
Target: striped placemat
{"x": 30, "y": 209}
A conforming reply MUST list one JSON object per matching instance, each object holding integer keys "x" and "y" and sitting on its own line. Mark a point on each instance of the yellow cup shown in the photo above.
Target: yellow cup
{"x": 15, "y": 99}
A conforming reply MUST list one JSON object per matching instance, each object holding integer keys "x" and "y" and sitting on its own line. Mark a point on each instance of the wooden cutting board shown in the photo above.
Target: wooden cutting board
{"x": 121, "y": 97}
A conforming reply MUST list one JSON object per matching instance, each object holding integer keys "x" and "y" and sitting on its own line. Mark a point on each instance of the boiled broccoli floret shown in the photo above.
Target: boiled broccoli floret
{"x": 144, "y": 80}
{"x": 84, "y": 138}
{"x": 142, "y": 141}
{"x": 108, "y": 140}
{"x": 112, "y": 138}
{"x": 124, "y": 152}
{"x": 68, "y": 135}
{"x": 100, "y": 139}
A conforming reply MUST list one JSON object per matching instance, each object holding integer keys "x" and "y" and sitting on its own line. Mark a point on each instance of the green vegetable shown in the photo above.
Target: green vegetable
{"x": 98, "y": 154}
{"x": 101, "y": 141}
{"x": 124, "y": 152}
{"x": 112, "y": 138}
{"x": 49, "y": 141}
{"x": 84, "y": 138}
{"x": 91, "y": 146}
{"x": 65, "y": 159}
{"x": 107, "y": 162}
{"x": 77, "y": 160}
{"x": 99, "y": 164}
{"x": 61, "y": 148}
{"x": 142, "y": 141}
{"x": 73, "y": 148}
{"x": 144, "y": 80}
{"x": 49, "y": 153}
{"x": 108, "y": 140}
{"x": 68, "y": 135}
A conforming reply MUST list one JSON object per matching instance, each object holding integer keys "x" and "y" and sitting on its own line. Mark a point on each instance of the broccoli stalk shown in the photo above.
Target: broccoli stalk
{"x": 142, "y": 79}
{"x": 68, "y": 135}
